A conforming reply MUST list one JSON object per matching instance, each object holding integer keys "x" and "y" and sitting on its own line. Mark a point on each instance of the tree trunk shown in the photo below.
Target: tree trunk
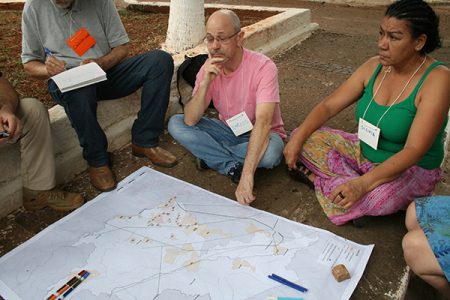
{"x": 186, "y": 25}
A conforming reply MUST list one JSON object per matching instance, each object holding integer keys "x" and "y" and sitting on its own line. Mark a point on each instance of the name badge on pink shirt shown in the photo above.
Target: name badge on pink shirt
{"x": 240, "y": 123}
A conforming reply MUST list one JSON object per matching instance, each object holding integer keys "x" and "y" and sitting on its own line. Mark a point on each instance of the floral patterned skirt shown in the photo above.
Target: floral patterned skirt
{"x": 433, "y": 215}
{"x": 335, "y": 157}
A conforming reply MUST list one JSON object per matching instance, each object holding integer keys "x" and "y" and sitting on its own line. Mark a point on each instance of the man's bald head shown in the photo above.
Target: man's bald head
{"x": 226, "y": 16}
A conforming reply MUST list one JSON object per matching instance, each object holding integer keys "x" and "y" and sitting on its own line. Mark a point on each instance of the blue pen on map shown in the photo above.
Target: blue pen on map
{"x": 287, "y": 283}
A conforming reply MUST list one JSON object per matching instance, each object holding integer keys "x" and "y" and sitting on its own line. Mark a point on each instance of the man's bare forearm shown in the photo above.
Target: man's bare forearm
{"x": 36, "y": 69}
{"x": 114, "y": 57}
{"x": 259, "y": 140}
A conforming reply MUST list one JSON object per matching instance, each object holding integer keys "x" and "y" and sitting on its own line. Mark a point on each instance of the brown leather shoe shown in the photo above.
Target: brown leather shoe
{"x": 55, "y": 198}
{"x": 157, "y": 155}
{"x": 102, "y": 178}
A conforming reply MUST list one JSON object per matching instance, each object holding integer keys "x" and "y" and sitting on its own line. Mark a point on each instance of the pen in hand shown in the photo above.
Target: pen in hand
{"x": 54, "y": 65}
{"x": 47, "y": 52}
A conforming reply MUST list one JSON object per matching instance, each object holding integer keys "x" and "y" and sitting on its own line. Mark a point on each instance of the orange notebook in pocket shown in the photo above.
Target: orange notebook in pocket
{"x": 81, "y": 41}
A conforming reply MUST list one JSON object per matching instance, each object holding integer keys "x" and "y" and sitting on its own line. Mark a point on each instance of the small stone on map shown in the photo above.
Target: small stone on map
{"x": 340, "y": 273}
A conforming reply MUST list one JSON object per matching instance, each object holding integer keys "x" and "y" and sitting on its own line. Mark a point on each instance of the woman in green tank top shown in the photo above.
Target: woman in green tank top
{"x": 403, "y": 99}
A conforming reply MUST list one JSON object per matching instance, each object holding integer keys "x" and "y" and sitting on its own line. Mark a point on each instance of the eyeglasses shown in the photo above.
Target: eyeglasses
{"x": 209, "y": 39}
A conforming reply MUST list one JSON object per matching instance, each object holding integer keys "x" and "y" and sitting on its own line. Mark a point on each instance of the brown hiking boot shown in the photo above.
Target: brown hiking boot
{"x": 157, "y": 155}
{"x": 55, "y": 199}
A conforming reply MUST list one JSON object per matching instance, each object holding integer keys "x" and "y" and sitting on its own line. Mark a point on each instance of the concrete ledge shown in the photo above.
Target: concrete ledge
{"x": 281, "y": 30}
{"x": 115, "y": 116}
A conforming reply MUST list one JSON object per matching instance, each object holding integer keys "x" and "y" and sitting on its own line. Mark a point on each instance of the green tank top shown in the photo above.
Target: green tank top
{"x": 395, "y": 125}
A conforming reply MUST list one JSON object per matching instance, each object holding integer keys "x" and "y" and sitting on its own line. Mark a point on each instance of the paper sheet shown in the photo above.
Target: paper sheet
{"x": 78, "y": 77}
{"x": 156, "y": 237}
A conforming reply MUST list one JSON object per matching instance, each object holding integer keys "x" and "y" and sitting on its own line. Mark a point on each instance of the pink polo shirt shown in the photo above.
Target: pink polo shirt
{"x": 255, "y": 81}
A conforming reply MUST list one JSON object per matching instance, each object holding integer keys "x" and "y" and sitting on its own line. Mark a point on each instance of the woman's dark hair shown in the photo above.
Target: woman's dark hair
{"x": 421, "y": 18}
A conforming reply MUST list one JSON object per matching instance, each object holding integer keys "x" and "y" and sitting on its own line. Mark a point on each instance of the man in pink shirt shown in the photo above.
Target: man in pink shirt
{"x": 243, "y": 86}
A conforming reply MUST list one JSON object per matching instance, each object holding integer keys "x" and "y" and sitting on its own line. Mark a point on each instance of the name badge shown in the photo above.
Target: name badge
{"x": 240, "y": 123}
{"x": 81, "y": 41}
{"x": 368, "y": 133}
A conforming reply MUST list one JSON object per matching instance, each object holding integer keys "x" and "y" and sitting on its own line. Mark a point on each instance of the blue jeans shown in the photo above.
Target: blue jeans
{"x": 152, "y": 71}
{"x": 213, "y": 141}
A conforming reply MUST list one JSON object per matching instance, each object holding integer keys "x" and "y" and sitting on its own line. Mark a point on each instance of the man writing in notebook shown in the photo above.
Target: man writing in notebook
{"x": 25, "y": 121}
{"x": 244, "y": 88}
{"x": 76, "y": 32}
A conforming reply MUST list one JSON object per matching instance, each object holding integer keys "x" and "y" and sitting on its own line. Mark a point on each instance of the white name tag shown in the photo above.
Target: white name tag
{"x": 368, "y": 133}
{"x": 240, "y": 123}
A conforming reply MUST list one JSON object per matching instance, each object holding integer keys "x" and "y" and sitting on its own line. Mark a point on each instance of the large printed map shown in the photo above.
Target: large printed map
{"x": 156, "y": 237}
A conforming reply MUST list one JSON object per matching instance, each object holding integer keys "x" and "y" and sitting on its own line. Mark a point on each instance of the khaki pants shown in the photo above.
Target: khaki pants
{"x": 36, "y": 147}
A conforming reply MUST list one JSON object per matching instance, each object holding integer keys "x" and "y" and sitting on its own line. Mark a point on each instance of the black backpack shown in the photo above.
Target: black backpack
{"x": 189, "y": 69}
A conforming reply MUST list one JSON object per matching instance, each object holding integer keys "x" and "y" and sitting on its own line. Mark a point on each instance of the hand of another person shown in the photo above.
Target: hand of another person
{"x": 291, "y": 153}
{"x": 54, "y": 66}
{"x": 244, "y": 192}
{"x": 348, "y": 193}
{"x": 213, "y": 67}
{"x": 86, "y": 61}
{"x": 10, "y": 122}
{"x": 89, "y": 60}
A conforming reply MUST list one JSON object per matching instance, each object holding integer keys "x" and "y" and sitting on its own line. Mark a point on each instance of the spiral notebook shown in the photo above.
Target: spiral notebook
{"x": 78, "y": 77}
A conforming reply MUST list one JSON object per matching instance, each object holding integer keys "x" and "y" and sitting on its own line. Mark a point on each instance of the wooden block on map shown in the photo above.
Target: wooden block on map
{"x": 340, "y": 273}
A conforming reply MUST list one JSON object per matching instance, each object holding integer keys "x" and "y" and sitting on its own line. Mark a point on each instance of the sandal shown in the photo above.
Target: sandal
{"x": 302, "y": 174}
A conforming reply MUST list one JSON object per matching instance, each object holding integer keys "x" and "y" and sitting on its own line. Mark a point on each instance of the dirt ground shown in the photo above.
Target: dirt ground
{"x": 307, "y": 73}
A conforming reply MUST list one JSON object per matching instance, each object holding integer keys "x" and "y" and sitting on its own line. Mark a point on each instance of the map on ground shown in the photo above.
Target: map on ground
{"x": 157, "y": 237}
